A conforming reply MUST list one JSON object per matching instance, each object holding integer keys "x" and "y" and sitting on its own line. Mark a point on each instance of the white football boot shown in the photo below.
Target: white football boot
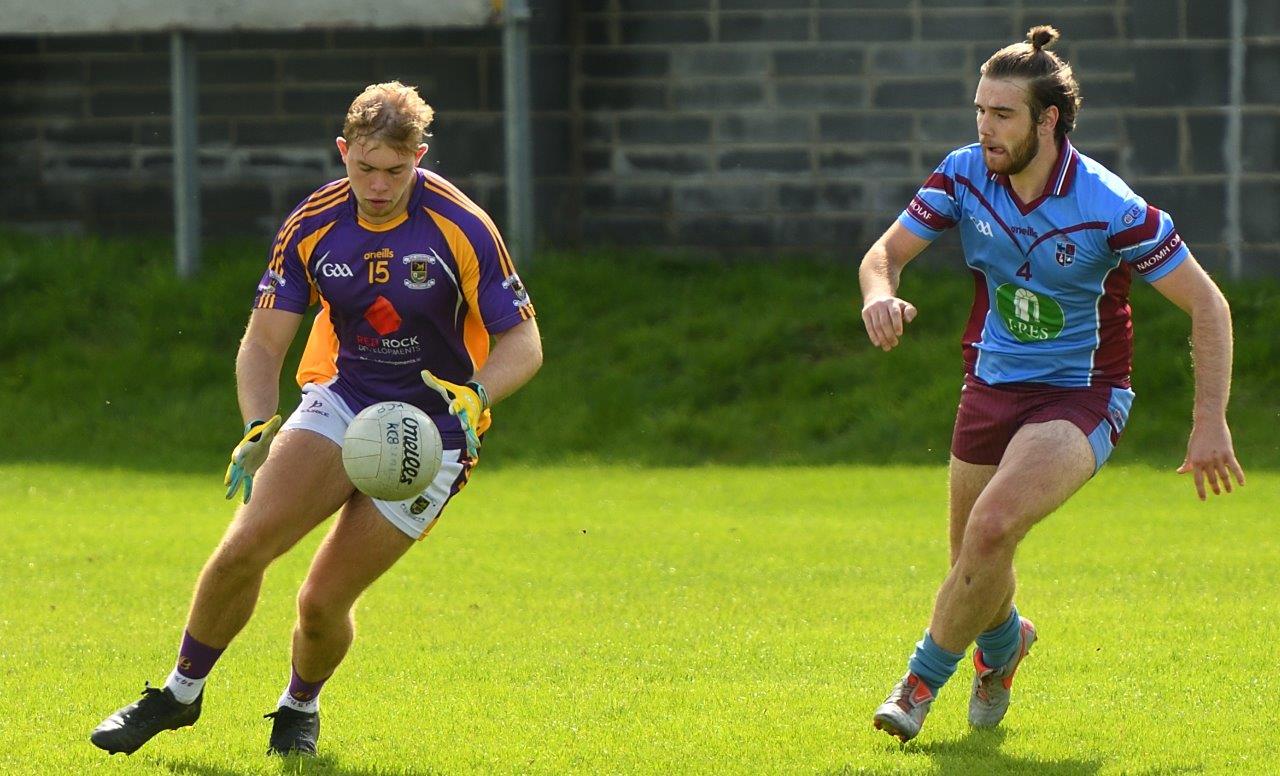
{"x": 903, "y": 712}
{"x": 990, "y": 697}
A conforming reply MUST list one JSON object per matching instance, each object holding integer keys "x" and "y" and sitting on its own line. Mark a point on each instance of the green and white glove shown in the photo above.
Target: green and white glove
{"x": 249, "y": 455}
{"x": 466, "y": 403}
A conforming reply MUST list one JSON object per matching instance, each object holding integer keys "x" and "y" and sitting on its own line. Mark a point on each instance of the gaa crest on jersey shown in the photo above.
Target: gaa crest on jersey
{"x": 1065, "y": 253}
{"x": 333, "y": 269}
{"x": 1131, "y": 215}
{"x": 418, "y": 274}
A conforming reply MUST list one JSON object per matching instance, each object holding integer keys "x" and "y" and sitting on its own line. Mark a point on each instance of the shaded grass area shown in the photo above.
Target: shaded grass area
{"x": 106, "y": 357}
{"x": 629, "y": 620}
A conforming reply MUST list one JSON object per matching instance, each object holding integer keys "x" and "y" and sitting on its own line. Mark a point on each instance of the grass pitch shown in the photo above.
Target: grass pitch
{"x": 614, "y": 620}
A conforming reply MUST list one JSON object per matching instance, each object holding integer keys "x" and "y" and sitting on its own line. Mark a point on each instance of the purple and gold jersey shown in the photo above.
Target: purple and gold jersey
{"x": 1052, "y": 275}
{"x": 423, "y": 291}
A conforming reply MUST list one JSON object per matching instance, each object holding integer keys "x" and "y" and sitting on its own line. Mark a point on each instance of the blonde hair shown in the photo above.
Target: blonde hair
{"x": 1050, "y": 79}
{"x": 391, "y": 113}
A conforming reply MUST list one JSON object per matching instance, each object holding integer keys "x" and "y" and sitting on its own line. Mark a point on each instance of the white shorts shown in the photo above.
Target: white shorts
{"x": 324, "y": 412}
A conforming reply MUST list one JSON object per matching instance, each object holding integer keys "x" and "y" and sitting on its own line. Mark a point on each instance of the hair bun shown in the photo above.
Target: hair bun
{"x": 1043, "y": 36}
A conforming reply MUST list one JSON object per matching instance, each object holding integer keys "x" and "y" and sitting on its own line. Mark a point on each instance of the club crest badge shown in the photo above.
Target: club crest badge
{"x": 1117, "y": 419}
{"x": 1065, "y": 253}
{"x": 419, "y": 276}
{"x": 270, "y": 281}
{"x": 513, "y": 284}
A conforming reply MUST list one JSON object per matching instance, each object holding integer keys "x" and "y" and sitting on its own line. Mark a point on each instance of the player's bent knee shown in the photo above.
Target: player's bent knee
{"x": 318, "y": 611}
{"x": 991, "y": 534}
{"x": 240, "y": 559}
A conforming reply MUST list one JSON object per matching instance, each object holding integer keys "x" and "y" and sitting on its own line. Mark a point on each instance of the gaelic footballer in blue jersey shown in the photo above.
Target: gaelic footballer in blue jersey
{"x": 419, "y": 302}
{"x": 1053, "y": 240}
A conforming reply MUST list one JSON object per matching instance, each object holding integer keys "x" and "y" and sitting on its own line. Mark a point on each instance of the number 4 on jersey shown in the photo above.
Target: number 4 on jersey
{"x": 1024, "y": 271}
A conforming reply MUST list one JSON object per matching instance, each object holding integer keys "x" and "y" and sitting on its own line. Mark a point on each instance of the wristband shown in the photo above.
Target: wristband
{"x": 481, "y": 392}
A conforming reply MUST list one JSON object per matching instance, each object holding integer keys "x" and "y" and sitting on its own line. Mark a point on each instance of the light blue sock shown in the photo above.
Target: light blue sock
{"x": 1001, "y": 643}
{"x": 933, "y": 664}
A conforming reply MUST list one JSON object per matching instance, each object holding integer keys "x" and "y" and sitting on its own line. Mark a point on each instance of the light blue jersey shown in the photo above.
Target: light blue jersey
{"x": 1052, "y": 275}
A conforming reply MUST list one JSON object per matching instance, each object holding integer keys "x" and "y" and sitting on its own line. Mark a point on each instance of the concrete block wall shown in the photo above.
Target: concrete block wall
{"x": 762, "y": 126}
{"x": 84, "y": 122}
{"x": 734, "y": 127}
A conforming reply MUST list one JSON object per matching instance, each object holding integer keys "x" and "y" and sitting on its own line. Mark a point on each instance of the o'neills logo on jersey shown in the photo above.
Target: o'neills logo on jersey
{"x": 1157, "y": 257}
{"x": 410, "y": 461}
{"x": 381, "y": 253}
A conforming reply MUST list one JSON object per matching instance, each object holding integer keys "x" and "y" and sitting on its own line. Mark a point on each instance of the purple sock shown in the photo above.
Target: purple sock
{"x": 195, "y": 660}
{"x": 302, "y": 691}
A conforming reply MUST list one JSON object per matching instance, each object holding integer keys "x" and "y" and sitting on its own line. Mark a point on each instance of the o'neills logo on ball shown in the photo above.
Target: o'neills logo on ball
{"x": 410, "y": 462}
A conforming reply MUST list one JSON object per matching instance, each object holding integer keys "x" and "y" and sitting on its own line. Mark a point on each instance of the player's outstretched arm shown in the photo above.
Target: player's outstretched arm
{"x": 1210, "y": 455}
{"x": 515, "y": 358}
{"x": 262, "y": 352}
{"x": 883, "y": 313}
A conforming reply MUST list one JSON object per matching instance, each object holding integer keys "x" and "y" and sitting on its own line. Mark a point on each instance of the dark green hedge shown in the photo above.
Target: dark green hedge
{"x": 107, "y": 358}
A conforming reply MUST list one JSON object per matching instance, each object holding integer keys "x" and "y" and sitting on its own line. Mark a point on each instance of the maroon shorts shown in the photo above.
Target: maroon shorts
{"x": 989, "y": 416}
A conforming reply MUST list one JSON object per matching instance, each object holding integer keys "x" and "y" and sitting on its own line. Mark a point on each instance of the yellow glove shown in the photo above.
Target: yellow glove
{"x": 249, "y": 455}
{"x": 465, "y": 402}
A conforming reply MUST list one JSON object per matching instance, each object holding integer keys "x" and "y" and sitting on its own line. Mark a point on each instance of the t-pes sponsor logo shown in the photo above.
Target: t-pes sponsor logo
{"x": 1029, "y": 317}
